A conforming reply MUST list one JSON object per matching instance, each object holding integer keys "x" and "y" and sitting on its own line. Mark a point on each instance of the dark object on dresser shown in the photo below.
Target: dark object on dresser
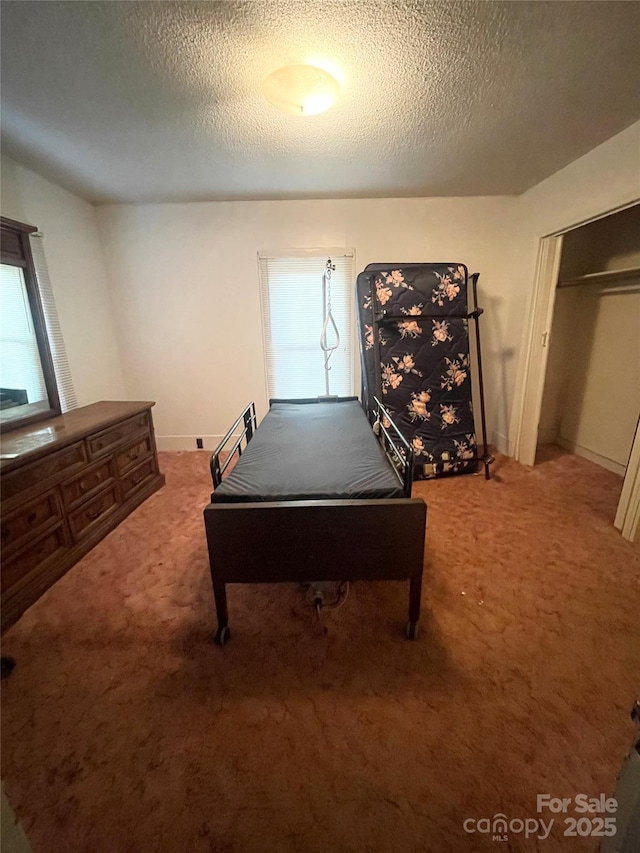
{"x": 66, "y": 482}
{"x": 11, "y": 397}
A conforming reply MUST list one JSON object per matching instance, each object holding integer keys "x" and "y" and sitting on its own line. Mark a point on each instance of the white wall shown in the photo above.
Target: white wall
{"x": 180, "y": 307}
{"x": 78, "y": 278}
{"x": 592, "y": 393}
{"x": 604, "y": 179}
{"x": 184, "y": 280}
{"x": 185, "y": 287}
{"x": 603, "y": 392}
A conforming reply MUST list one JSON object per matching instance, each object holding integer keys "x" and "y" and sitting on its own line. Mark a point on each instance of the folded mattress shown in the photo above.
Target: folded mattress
{"x": 414, "y": 332}
{"x": 311, "y": 451}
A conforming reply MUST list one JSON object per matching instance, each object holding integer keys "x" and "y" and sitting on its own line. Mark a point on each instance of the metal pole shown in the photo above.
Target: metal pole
{"x": 487, "y": 458}
{"x": 324, "y": 325}
{"x": 327, "y": 318}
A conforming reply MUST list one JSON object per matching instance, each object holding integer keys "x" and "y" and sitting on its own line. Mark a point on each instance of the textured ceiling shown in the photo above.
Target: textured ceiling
{"x": 160, "y": 101}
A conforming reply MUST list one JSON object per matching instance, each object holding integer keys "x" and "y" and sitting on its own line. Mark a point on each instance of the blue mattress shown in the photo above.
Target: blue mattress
{"x": 311, "y": 451}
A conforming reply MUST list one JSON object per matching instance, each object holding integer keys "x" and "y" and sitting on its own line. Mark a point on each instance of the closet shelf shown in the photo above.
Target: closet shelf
{"x": 607, "y": 277}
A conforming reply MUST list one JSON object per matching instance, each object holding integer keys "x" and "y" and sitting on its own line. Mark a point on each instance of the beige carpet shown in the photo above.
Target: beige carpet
{"x": 124, "y": 729}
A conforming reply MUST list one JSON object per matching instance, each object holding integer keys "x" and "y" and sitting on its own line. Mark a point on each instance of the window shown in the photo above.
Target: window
{"x": 292, "y": 320}
{"x": 34, "y": 372}
{"x": 21, "y": 374}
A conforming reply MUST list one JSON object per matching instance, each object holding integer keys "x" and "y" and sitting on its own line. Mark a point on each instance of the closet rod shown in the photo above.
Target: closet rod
{"x": 623, "y": 288}
{"x": 606, "y": 277}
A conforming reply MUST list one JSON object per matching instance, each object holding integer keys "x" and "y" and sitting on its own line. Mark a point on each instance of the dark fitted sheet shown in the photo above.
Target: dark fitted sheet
{"x": 311, "y": 451}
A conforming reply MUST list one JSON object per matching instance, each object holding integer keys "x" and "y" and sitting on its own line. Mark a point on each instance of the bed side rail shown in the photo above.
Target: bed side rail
{"x": 396, "y": 447}
{"x": 249, "y": 425}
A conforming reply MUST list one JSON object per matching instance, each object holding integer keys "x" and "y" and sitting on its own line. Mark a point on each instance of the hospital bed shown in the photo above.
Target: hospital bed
{"x": 316, "y": 494}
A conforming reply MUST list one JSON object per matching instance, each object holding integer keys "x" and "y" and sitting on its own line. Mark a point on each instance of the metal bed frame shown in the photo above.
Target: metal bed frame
{"x": 317, "y": 540}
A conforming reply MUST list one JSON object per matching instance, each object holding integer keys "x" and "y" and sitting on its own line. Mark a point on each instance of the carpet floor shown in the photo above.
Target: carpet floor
{"x": 126, "y": 731}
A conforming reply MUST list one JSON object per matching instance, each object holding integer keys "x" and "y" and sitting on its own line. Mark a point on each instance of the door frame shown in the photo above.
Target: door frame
{"x": 628, "y": 515}
{"x": 527, "y": 418}
{"x": 544, "y": 300}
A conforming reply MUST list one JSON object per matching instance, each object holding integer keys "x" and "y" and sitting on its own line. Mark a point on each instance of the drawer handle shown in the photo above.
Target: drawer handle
{"x": 95, "y": 512}
{"x": 133, "y": 454}
{"x": 31, "y": 517}
{"x": 138, "y": 478}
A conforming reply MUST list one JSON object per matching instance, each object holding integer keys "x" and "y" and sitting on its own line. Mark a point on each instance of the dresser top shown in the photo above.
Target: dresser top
{"x": 30, "y": 442}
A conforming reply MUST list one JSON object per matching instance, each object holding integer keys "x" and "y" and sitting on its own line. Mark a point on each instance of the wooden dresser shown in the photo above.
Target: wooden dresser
{"x": 65, "y": 483}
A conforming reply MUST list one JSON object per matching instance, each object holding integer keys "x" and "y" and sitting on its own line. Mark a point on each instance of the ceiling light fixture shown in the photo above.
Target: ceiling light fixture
{"x": 302, "y": 90}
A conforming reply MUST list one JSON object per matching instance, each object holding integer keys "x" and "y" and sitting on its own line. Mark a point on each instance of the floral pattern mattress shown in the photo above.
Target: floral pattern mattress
{"x": 422, "y": 370}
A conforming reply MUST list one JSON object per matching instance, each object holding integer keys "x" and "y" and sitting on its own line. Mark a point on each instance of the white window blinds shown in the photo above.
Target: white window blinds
{"x": 64, "y": 380}
{"x": 292, "y": 319}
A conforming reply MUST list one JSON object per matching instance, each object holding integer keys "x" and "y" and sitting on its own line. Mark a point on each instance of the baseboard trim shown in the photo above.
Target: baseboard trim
{"x": 173, "y": 443}
{"x": 502, "y": 444}
{"x": 579, "y": 450}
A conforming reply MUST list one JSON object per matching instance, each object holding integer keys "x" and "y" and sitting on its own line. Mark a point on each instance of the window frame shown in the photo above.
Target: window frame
{"x": 311, "y": 252}
{"x": 15, "y": 251}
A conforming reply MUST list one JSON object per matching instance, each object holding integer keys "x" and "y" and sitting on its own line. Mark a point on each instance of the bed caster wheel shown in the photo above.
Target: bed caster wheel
{"x": 222, "y": 636}
{"x": 412, "y": 630}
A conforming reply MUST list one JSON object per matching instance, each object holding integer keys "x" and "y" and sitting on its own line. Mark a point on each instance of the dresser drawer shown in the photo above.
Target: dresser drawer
{"x": 92, "y": 478}
{"x": 27, "y": 521}
{"x": 105, "y": 441}
{"x": 137, "y": 478}
{"x": 67, "y": 482}
{"x": 133, "y": 455}
{"x": 49, "y": 546}
{"x": 82, "y": 520}
{"x": 66, "y": 461}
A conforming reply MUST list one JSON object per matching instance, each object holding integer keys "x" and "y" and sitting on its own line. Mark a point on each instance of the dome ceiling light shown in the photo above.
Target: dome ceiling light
{"x": 302, "y": 90}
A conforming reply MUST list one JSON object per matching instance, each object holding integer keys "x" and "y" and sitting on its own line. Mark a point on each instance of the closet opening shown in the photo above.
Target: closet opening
{"x": 591, "y": 397}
